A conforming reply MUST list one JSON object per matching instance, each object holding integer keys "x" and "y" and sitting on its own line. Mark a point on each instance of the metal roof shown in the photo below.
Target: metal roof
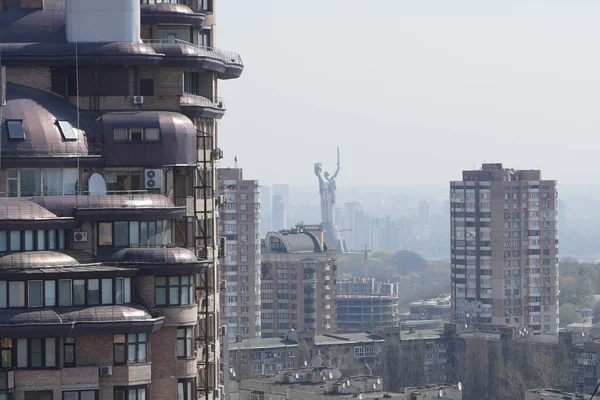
{"x": 162, "y": 255}
{"x": 19, "y": 209}
{"x": 36, "y": 259}
{"x": 67, "y": 205}
{"x": 347, "y": 338}
{"x": 263, "y": 343}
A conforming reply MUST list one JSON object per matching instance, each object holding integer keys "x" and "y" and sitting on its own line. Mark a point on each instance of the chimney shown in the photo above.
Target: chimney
{"x": 2, "y": 86}
{"x": 32, "y": 4}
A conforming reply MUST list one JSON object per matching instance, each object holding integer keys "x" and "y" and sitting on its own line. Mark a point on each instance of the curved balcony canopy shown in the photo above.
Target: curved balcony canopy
{"x": 17, "y": 214}
{"x": 138, "y": 207}
{"x": 69, "y": 322}
{"x": 37, "y": 37}
{"x": 160, "y": 260}
{"x": 176, "y": 147}
{"x": 200, "y": 107}
{"x": 166, "y": 13}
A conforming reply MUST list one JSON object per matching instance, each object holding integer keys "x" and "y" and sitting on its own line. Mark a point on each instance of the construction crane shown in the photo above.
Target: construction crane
{"x": 366, "y": 252}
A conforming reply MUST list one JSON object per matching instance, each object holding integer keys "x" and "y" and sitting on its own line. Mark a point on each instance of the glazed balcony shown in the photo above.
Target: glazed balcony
{"x": 167, "y": 13}
{"x": 7, "y": 379}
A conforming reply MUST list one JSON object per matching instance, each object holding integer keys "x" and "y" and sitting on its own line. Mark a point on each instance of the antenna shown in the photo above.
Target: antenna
{"x": 235, "y": 162}
{"x": 338, "y": 156}
{"x": 78, "y": 130}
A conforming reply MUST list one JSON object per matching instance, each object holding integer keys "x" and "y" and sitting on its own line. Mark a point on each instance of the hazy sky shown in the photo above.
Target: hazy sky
{"x": 412, "y": 91}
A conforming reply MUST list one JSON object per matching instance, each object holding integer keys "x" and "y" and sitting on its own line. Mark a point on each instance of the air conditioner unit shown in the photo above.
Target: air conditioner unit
{"x": 153, "y": 178}
{"x": 106, "y": 370}
{"x": 217, "y": 154}
{"x": 138, "y": 99}
{"x": 80, "y": 236}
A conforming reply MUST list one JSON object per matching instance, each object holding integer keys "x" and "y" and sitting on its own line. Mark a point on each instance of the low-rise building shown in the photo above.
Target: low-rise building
{"x": 354, "y": 353}
{"x": 327, "y": 384}
{"x": 434, "y": 308}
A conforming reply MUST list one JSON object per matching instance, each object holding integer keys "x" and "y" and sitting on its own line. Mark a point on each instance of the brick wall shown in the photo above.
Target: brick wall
{"x": 164, "y": 348}
{"x": 94, "y": 350}
{"x": 36, "y": 77}
{"x": 167, "y": 81}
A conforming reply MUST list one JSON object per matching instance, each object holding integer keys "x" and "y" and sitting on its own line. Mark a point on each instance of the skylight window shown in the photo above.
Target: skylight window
{"x": 66, "y": 130}
{"x": 15, "y": 129}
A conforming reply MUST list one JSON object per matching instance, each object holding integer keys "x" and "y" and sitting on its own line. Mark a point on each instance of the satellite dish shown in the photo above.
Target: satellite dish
{"x": 459, "y": 386}
{"x": 305, "y": 363}
{"x": 231, "y": 370}
{"x": 441, "y": 393}
{"x": 297, "y": 376}
{"x": 324, "y": 378}
{"x": 233, "y": 373}
{"x": 374, "y": 386}
{"x": 337, "y": 374}
{"x": 360, "y": 396}
{"x": 330, "y": 375}
{"x": 378, "y": 381}
{"x": 466, "y": 326}
{"x": 316, "y": 361}
{"x": 344, "y": 385}
{"x": 97, "y": 185}
{"x": 348, "y": 383}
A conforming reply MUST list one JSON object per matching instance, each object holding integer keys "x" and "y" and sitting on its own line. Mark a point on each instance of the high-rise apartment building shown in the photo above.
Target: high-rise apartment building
{"x": 239, "y": 224}
{"x": 298, "y": 275}
{"x": 108, "y": 219}
{"x": 504, "y": 249}
{"x": 279, "y": 213}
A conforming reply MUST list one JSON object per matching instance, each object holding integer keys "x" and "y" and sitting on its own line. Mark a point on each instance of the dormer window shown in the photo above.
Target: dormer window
{"x": 15, "y": 129}
{"x": 66, "y": 130}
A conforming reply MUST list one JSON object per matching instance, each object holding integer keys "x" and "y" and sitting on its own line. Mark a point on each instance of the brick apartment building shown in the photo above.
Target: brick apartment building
{"x": 298, "y": 277}
{"x": 240, "y": 226}
{"x": 108, "y": 219}
{"x": 504, "y": 249}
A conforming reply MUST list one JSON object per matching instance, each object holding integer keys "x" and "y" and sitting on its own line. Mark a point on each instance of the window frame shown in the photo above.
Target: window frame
{"x": 168, "y": 286}
{"x": 189, "y": 388}
{"x": 66, "y": 130}
{"x": 70, "y": 344}
{"x": 43, "y": 353}
{"x": 132, "y": 340}
{"x": 20, "y": 135}
{"x": 144, "y": 136}
{"x": 185, "y": 335}
{"x": 124, "y": 392}
{"x": 79, "y": 392}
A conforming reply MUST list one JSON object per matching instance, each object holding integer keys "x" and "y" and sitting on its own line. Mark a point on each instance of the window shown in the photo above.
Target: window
{"x": 136, "y": 135}
{"x": 123, "y": 180}
{"x": 81, "y": 395}
{"x": 205, "y": 5}
{"x": 66, "y": 130}
{"x": 6, "y": 353}
{"x": 65, "y": 296}
{"x": 93, "y": 292}
{"x": 146, "y": 87}
{"x": 121, "y": 234}
{"x": 15, "y": 129}
{"x": 185, "y": 341}
{"x": 39, "y": 395}
{"x": 105, "y": 237}
{"x": 34, "y": 294}
{"x": 69, "y": 352}
{"x": 131, "y": 393}
{"x": 16, "y": 294}
{"x": 174, "y": 290}
{"x": 191, "y": 83}
{"x": 185, "y": 389}
{"x": 204, "y": 38}
{"x": 130, "y": 348}
{"x": 36, "y": 353}
{"x": 107, "y": 291}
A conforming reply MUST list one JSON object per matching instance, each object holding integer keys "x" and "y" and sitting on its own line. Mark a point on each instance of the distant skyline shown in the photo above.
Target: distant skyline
{"x": 412, "y": 92}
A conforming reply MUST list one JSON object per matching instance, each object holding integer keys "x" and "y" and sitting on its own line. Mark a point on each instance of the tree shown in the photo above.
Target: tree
{"x": 568, "y": 314}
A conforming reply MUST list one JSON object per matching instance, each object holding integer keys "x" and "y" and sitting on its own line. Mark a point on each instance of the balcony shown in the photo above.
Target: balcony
{"x": 201, "y": 107}
{"x": 178, "y": 52}
{"x": 166, "y": 13}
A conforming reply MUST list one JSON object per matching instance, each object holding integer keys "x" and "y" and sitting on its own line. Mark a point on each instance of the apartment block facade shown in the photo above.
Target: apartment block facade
{"x": 240, "y": 273}
{"x": 298, "y": 277}
{"x": 504, "y": 249}
{"x": 109, "y": 251}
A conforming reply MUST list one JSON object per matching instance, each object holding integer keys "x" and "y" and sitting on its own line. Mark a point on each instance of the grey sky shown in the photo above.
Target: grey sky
{"x": 412, "y": 91}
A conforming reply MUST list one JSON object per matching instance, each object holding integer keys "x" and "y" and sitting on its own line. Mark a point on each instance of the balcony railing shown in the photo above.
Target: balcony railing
{"x": 54, "y": 150}
{"x": 225, "y": 56}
